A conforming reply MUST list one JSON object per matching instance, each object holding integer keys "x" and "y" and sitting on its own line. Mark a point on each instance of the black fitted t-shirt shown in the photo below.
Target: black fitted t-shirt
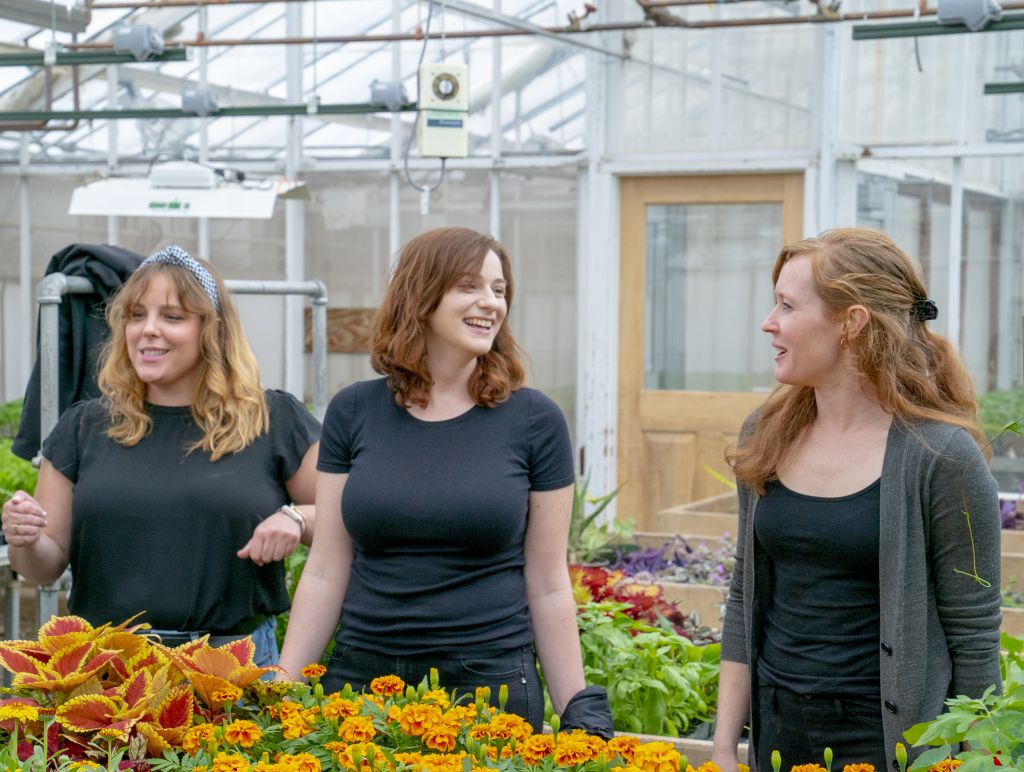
{"x": 821, "y": 633}
{"x": 437, "y": 512}
{"x": 155, "y": 528}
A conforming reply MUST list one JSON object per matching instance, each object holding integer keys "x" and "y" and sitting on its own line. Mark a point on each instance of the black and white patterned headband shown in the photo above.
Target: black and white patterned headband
{"x": 175, "y": 255}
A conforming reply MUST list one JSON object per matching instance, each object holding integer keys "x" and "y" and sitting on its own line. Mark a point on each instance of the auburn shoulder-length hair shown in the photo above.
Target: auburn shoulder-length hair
{"x": 428, "y": 266}
{"x": 228, "y": 402}
{"x": 916, "y": 373}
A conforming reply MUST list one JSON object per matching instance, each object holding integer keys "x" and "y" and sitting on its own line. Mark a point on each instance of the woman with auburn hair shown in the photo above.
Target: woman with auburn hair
{"x": 862, "y": 596}
{"x": 445, "y": 492}
{"x": 169, "y": 495}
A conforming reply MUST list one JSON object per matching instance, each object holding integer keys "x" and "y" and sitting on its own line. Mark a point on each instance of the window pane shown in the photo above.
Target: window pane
{"x": 708, "y": 288}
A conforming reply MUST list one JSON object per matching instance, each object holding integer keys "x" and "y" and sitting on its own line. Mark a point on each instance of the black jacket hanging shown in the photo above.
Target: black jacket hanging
{"x": 82, "y": 331}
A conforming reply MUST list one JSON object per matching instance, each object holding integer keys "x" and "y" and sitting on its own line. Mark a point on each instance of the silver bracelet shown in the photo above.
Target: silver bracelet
{"x": 295, "y": 515}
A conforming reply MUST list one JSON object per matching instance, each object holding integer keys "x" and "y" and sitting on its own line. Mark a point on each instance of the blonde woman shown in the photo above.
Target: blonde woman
{"x": 853, "y": 612}
{"x": 170, "y": 495}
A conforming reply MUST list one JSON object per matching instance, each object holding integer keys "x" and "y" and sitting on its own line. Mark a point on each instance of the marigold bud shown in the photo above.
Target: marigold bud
{"x": 901, "y": 756}
{"x": 776, "y": 761}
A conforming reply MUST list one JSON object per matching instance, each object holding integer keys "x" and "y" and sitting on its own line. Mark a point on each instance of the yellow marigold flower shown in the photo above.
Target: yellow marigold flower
{"x": 227, "y": 694}
{"x": 244, "y": 733}
{"x": 339, "y": 708}
{"x": 196, "y": 737}
{"x": 508, "y": 726}
{"x": 743, "y": 768}
{"x": 295, "y": 727}
{"x": 946, "y": 765}
{"x": 631, "y": 768}
{"x": 657, "y": 757}
{"x": 230, "y": 762}
{"x": 536, "y": 748}
{"x": 357, "y": 729}
{"x": 623, "y": 747}
{"x": 440, "y": 738}
{"x": 19, "y": 711}
{"x": 439, "y": 697}
{"x": 417, "y": 718}
{"x": 859, "y": 768}
{"x": 387, "y": 685}
{"x": 110, "y": 733}
{"x": 299, "y": 762}
{"x": 336, "y": 746}
{"x": 84, "y": 765}
{"x": 709, "y": 766}
{"x": 807, "y": 768}
{"x": 313, "y": 671}
{"x": 572, "y": 751}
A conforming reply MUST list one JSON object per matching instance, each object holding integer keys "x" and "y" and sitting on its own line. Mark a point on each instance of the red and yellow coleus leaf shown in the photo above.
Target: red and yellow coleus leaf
{"x": 178, "y": 710}
{"x": 96, "y": 712}
{"x": 49, "y": 678}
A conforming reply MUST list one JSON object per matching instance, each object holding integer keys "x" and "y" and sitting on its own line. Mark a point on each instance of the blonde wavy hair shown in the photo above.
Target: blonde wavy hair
{"x": 916, "y": 373}
{"x": 228, "y": 403}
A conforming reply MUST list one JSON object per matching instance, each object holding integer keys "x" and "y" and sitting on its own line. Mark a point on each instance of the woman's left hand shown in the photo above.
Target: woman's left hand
{"x": 272, "y": 540}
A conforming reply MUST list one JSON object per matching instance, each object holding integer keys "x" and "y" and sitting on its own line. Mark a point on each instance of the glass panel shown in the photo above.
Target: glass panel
{"x": 708, "y": 288}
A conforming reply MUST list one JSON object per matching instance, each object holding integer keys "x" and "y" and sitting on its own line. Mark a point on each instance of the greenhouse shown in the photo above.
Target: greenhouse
{"x": 636, "y": 166}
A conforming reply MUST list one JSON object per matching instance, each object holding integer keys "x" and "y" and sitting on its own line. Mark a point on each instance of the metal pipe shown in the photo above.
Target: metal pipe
{"x": 51, "y": 290}
{"x": 318, "y": 292}
{"x": 1004, "y": 88}
{"x": 87, "y": 53}
{"x": 146, "y": 4}
{"x": 177, "y": 112}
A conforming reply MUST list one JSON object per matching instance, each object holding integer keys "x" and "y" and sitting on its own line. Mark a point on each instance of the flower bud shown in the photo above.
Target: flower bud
{"x": 776, "y": 761}
{"x": 502, "y": 696}
{"x": 435, "y": 679}
{"x": 828, "y": 759}
{"x": 901, "y": 756}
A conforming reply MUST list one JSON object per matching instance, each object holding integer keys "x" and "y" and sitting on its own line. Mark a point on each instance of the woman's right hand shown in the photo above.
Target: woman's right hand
{"x": 23, "y": 520}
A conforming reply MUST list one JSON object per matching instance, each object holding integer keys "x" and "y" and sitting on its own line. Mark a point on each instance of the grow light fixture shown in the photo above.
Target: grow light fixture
{"x": 184, "y": 189}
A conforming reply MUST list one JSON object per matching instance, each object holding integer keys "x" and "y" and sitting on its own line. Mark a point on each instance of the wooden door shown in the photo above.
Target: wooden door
{"x": 697, "y": 254}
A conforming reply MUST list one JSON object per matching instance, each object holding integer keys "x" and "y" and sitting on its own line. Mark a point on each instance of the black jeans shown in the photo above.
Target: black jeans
{"x": 462, "y": 672}
{"x": 801, "y": 726}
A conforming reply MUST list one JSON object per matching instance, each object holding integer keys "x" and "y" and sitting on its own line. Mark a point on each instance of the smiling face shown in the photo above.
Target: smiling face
{"x": 163, "y": 342}
{"x": 804, "y": 333}
{"x": 470, "y": 313}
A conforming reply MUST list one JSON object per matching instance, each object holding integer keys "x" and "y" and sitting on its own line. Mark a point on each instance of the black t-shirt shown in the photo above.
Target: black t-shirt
{"x": 821, "y": 633}
{"x": 155, "y": 528}
{"x": 437, "y": 512}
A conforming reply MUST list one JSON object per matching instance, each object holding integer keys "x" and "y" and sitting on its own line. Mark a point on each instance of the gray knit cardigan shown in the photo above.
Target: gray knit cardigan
{"x": 939, "y": 628}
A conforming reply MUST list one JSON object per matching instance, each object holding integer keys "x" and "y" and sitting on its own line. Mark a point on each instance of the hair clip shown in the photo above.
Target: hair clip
{"x": 924, "y": 310}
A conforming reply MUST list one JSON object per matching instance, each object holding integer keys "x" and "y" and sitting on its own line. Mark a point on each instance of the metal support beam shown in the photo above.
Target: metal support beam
{"x": 173, "y": 112}
{"x": 67, "y": 58}
{"x": 294, "y": 214}
{"x": 913, "y": 29}
{"x": 1004, "y": 88}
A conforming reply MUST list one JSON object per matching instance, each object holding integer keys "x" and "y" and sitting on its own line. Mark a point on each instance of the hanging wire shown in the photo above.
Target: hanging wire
{"x": 424, "y": 190}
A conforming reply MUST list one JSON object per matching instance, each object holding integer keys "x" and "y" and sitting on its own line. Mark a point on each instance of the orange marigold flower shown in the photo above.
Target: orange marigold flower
{"x": 657, "y": 757}
{"x": 807, "y": 768}
{"x": 536, "y": 748}
{"x": 631, "y": 768}
{"x": 230, "y": 762}
{"x": 313, "y": 671}
{"x": 623, "y": 747}
{"x": 244, "y": 733}
{"x": 336, "y": 746}
{"x": 440, "y": 738}
{"x": 299, "y": 762}
{"x": 357, "y": 729}
{"x": 416, "y": 719}
{"x": 859, "y": 768}
{"x": 339, "y": 708}
{"x": 387, "y": 685}
{"x": 709, "y": 766}
{"x": 946, "y": 765}
{"x": 227, "y": 694}
{"x": 509, "y": 725}
{"x": 196, "y": 737}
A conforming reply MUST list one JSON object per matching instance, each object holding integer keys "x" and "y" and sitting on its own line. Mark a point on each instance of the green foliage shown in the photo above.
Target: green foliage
{"x": 992, "y": 725}
{"x": 658, "y": 682}
{"x": 10, "y": 418}
{"x": 590, "y": 541}
{"x": 15, "y": 473}
{"x": 997, "y": 410}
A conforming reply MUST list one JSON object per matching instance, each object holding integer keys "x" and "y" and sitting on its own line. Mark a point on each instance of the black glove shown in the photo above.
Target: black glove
{"x": 589, "y": 710}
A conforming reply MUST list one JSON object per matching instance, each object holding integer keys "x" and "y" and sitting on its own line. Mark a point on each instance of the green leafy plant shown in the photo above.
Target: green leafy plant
{"x": 589, "y": 540}
{"x": 992, "y": 725}
{"x": 15, "y": 473}
{"x": 658, "y": 682}
{"x": 10, "y": 418}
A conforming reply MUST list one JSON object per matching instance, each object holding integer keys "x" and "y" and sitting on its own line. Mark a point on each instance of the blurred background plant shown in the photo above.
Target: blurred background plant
{"x": 592, "y": 541}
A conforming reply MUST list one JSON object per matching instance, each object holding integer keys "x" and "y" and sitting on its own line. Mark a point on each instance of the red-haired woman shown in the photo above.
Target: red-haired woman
{"x": 861, "y": 596}
{"x": 446, "y": 492}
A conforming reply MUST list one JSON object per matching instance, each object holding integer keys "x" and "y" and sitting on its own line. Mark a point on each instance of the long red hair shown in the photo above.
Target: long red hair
{"x": 916, "y": 373}
{"x": 428, "y": 266}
